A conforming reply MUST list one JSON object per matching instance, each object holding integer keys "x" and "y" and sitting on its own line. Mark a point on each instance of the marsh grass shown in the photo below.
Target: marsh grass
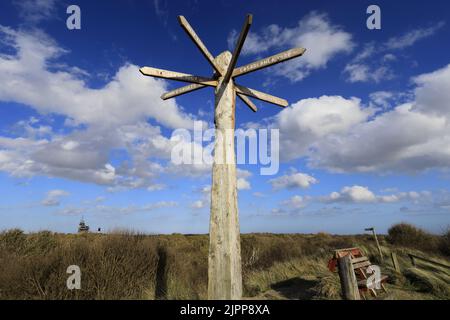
{"x": 128, "y": 265}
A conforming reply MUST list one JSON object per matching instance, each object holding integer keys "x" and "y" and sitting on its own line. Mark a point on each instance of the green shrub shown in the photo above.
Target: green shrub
{"x": 444, "y": 245}
{"x": 407, "y": 235}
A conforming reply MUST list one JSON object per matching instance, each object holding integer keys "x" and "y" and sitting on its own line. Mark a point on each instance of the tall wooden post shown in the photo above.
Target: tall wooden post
{"x": 349, "y": 285}
{"x": 224, "y": 269}
{"x": 376, "y": 241}
{"x": 224, "y": 272}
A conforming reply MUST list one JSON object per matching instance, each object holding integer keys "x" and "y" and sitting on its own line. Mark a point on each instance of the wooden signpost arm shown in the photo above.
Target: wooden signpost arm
{"x": 182, "y": 90}
{"x": 261, "y": 96}
{"x": 269, "y": 61}
{"x": 248, "y": 102}
{"x": 238, "y": 48}
{"x": 198, "y": 42}
{"x": 178, "y": 76}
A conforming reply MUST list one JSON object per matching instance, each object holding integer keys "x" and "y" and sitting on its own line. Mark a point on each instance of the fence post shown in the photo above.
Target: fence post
{"x": 349, "y": 285}
{"x": 395, "y": 262}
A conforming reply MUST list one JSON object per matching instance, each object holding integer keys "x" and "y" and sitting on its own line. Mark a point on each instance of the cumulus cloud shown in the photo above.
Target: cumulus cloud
{"x": 128, "y": 98}
{"x": 295, "y": 202}
{"x": 242, "y": 179}
{"x": 343, "y": 135}
{"x": 315, "y": 32}
{"x": 362, "y": 194}
{"x": 413, "y": 136}
{"x": 352, "y": 194}
{"x": 53, "y": 197}
{"x": 205, "y": 193}
{"x": 309, "y": 120}
{"x": 243, "y": 184}
{"x": 98, "y": 121}
{"x": 293, "y": 181}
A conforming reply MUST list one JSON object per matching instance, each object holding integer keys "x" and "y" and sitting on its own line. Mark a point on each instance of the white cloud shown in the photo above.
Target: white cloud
{"x": 315, "y": 32}
{"x": 128, "y": 98}
{"x": 114, "y": 211}
{"x": 242, "y": 179}
{"x": 411, "y": 37}
{"x": 112, "y": 117}
{"x": 382, "y": 99}
{"x": 309, "y": 120}
{"x": 292, "y": 181}
{"x": 199, "y": 204}
{"x": 351, "y": 194}
{"x": 362, "y": 194}
{"x": 53, "y": 197}
{"x": 374, "y": 63}
{"x": 412, "y": 137}
{"x": 432, "y": 93}
{"x": 34, "y": 11}
{"x": 358, "y": 72}
{"x": 343, "y": 135}
{"x": 295, "y": 202}
{"x": 243, "y": 184}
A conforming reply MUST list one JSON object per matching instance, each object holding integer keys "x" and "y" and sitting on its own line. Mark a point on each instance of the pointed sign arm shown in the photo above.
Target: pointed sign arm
{"x": 198, "y": 42}
{"x": 269, "y": 61}
{"x": 182, "y": 90}
{"x": 178, "y": 76}
{"x": 194, "y": 86}
{"x": 261, "y": 96}
{"x": 238, "y": 48}
{"x": 248, "y": 102}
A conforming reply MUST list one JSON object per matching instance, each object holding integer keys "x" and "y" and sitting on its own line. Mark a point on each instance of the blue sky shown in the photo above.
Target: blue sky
{"x": 365, "y": 140}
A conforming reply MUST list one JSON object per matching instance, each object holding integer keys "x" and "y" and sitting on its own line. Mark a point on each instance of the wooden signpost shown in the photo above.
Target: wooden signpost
{"x": 376, "y": 240}
{"x": 224, "y": 261}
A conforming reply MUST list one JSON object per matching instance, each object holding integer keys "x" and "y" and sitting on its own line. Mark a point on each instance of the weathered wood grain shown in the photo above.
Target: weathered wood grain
{"x": 349, "y": 285}
{"x": 178, "y": 76}
{"x": 269, "y": 61}
{"x": 261, "y": 96}
{"x": 224, "y": 260}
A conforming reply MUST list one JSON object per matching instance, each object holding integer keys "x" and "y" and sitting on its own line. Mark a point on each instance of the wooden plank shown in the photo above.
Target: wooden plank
{"x": 361, "y": 264}
{"x": 238, "y": 48}
{"x": 413, "y": 257}
{"x": 363, "y": 283}
{"x": 360, "y": 259}
{"x": 178, "y": 76}
{"x": 395, "y": 262}
{"x": 269, "y": 61}
{"x": 261, "y": 96}
{"x": 363, "y": 273}
{"x": 347, "y": 249}
{"x": 199, "y": 43}
{"x": 182, "y": 90}
{"x": 248, "y": 102}
{"x": 349, "y": 285}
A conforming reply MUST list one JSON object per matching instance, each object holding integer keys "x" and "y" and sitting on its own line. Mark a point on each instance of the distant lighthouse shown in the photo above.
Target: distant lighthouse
{"x": 82, "y": 227}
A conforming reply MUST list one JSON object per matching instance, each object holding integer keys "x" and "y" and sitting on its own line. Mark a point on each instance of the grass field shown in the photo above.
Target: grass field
{"x": 135, "y": 266}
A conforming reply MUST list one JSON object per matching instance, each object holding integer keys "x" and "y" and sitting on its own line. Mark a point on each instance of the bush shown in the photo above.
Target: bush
{"x": 444, "y": 246}
{"x": 407, "y": 235}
